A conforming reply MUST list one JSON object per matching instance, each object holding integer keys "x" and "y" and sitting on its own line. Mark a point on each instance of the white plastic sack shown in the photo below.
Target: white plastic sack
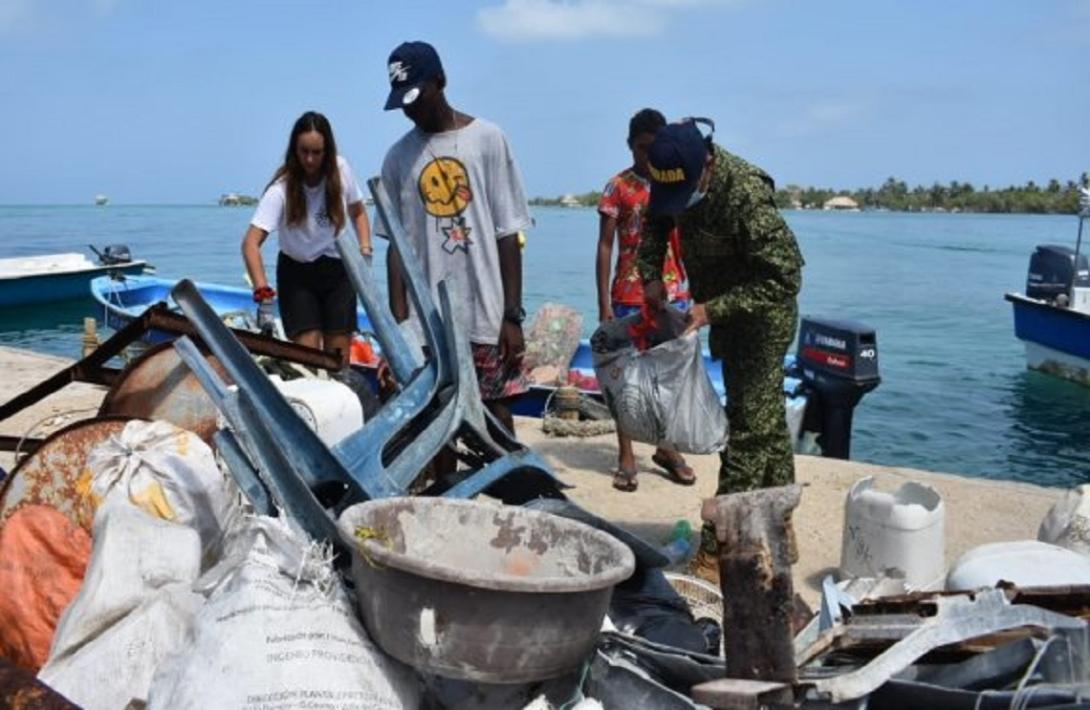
{"x": 663, "y": 396}
{"x": 278, "y": 631}
{"x": 134, "y": 608}
{"x": 167, "y": 472}
{"x": 1067, "y": 523}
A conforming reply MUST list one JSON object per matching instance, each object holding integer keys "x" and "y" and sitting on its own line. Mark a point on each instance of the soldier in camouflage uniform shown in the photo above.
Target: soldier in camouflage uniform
{"x": 745, "y": 271}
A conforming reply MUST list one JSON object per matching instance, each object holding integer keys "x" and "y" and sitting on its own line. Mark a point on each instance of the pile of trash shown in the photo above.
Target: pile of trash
{"x": 157, "y": 563}
{"x": 204, "y": 603}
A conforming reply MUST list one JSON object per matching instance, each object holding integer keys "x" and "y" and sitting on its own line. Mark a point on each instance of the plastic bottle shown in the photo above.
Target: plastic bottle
{"x": 266, "y": 317}
{"x": 679, "y": 545}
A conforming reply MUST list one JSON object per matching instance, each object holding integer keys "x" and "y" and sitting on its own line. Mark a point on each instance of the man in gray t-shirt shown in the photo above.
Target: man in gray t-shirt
{"x": 457, "y": 190}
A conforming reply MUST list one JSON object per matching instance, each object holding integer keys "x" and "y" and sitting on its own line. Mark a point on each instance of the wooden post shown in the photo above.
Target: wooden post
{"x": 756, "y": 550}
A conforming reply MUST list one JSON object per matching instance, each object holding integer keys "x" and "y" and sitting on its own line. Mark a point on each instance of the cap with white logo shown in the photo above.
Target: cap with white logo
{"x": 410, "y": 65}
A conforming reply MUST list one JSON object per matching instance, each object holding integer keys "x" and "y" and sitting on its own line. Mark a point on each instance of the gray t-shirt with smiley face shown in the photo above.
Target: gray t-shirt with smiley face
{"x": 457, "y": 193}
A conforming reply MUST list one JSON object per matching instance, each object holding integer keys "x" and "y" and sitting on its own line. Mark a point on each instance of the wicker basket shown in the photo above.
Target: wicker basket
{"x": 705, "y": 600}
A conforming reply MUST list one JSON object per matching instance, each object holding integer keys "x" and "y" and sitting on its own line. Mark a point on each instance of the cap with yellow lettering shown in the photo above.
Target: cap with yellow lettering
{"x": 676, "y": 162}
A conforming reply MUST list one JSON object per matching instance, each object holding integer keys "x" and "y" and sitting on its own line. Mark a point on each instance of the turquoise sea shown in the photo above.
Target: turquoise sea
{"x": 955, "y": 394}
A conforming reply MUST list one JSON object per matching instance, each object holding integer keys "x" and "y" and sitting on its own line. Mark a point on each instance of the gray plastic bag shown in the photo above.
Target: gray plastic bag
{"x": 663, "y": 395}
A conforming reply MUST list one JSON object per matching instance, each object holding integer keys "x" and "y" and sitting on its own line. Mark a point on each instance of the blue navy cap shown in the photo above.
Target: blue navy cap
{"x": 410, "y": 65}
{"x": 676, "y": 162}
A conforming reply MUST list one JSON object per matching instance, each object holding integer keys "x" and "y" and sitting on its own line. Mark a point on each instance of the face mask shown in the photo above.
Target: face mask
{"x": 696, "y": 197}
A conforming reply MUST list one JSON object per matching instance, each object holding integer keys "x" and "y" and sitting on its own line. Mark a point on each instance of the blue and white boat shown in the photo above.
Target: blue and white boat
{"x": 33, "y": 280}
{"x": 1052, "y": 318}
{"x": 123, "y": 299}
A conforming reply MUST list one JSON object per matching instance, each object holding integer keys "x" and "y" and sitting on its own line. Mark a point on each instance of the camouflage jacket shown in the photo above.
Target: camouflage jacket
{"x": 741, "y": 257}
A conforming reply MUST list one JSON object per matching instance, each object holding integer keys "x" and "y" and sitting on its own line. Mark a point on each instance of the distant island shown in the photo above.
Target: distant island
{"x": 233, "y": 199}
{"x": 587, "y": 199}
{"x": 896, "y": 196}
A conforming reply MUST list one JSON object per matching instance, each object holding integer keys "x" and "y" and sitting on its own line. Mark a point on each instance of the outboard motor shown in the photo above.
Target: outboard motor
{"x": 838, "y": 360}
{"x": 115, "y": 254}
{"x": 1054, "y": 273}
{"x": 112, "y": 254}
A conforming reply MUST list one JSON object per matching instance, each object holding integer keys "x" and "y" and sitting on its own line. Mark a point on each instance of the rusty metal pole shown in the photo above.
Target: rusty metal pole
{"x": 756, "y": 551}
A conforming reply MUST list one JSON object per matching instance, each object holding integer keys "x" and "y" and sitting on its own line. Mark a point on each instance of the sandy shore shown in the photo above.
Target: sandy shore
{"x": 978, "y": 510}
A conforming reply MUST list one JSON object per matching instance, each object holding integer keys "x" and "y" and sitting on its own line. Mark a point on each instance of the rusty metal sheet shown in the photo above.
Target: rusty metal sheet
{"x": 159, "y": 386}
{"x": 52, "y": 474}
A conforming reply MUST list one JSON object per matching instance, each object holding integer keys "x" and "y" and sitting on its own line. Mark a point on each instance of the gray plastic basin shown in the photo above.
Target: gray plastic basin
{"x": 479, "y": 591}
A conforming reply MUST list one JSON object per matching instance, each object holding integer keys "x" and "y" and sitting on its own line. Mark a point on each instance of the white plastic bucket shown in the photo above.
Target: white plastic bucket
{"x": 330, "y": 408}
{"x": 894, "y": 534}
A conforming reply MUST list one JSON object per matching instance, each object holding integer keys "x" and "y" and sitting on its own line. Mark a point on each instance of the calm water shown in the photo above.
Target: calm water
{"x": 955, "y": 394}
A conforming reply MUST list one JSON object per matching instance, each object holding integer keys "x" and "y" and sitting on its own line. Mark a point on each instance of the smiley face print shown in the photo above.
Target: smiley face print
{"x": 444, "y": 187}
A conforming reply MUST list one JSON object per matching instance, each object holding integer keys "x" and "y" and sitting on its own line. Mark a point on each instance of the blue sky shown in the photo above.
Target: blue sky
{"x": 151, "y": 101}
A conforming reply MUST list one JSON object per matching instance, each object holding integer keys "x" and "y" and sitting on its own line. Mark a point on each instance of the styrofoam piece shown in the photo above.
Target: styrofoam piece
{"x": 894, "y": 534}
{"x": 1067, "y": 523}
{"x": 330, "y": 408}
{"x": 1026, "y": 563}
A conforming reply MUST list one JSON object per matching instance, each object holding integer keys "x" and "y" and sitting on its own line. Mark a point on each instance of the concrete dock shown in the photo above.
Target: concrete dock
{"x": 977, "y": 510}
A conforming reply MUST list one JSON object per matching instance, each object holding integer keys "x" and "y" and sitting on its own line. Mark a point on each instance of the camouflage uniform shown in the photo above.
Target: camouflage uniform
{"x": 745, "y": 267}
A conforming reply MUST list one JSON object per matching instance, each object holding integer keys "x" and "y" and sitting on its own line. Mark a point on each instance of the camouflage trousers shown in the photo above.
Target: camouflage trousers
{"x": 759, "y": 451}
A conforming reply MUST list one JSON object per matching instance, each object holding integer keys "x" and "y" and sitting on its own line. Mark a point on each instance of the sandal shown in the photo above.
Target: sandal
{"x": 625, "y": 480}
{"x": 679, "y": 471}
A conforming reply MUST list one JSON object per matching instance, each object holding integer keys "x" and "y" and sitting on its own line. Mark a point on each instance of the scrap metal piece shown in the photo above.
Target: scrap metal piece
{"x": 159, "y": 386}
{"x": 92, "y": 369}
{"x": 755, "y": 556}
{"x": 956, "y": 618}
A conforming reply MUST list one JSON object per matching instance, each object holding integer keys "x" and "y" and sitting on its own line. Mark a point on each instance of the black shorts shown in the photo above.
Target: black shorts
{"x": 315, "y": 295}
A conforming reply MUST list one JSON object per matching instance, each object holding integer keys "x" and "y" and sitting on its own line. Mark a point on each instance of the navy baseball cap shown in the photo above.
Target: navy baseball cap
{"x": 676, "y": 162}
{"x": 410, "y": 65}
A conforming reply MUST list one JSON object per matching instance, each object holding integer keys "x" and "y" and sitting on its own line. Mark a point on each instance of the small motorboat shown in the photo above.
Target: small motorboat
{"x": 1053, "y": 316}
{"x": 32, "y": 280}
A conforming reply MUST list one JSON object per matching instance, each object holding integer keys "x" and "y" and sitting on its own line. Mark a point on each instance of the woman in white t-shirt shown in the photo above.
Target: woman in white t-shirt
{"x": 308, "y": 202}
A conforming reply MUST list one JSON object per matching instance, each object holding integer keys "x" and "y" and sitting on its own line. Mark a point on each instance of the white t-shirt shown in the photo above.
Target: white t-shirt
{"x": 314, "y": 236}
{"x": 457, "y": 193}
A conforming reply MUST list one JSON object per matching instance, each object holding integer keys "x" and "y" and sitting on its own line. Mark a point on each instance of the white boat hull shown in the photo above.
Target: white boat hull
{"x": 1057, "y": 363}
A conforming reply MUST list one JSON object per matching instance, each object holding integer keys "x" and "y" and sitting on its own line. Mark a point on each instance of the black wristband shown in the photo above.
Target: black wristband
{"x": 514, "y": 314}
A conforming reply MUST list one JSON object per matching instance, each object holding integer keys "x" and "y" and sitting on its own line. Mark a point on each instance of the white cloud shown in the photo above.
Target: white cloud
{"x": 552, "y": 19}
{"x": 521, "y": 20}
